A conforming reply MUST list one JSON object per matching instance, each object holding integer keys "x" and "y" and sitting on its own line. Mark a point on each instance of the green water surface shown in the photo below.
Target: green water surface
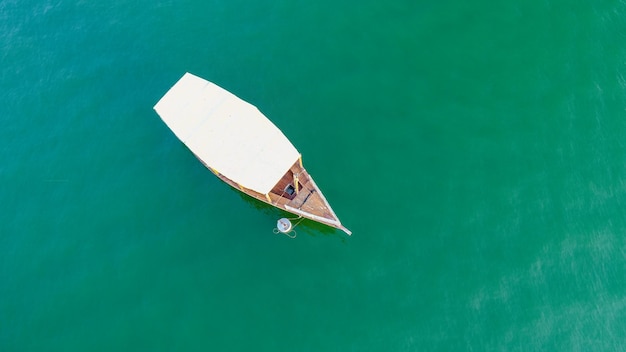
{"x": 476, "y": 151}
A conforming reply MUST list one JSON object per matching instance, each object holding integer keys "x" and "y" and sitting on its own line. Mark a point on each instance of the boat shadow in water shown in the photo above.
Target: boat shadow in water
{"x": 305, "y": 226}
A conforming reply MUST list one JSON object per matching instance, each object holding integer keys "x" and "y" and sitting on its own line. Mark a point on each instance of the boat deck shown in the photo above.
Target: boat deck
{"x": 307, "y": 201}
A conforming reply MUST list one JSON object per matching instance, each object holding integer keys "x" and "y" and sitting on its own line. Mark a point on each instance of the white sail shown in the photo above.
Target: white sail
{"x": 228, "y": 134}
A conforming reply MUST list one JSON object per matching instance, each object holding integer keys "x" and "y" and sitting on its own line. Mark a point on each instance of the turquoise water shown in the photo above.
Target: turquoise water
{"x": 475, "y": 150}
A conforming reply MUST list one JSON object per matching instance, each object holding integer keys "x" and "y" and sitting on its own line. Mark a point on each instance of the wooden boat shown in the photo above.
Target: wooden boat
{"x": 234, "y": 140}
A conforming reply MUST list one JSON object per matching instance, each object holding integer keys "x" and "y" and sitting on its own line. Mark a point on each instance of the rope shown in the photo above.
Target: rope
{"x": 281, "y": 195}
{"x": 276, "y": 231}
{"x": 288, "y": 234}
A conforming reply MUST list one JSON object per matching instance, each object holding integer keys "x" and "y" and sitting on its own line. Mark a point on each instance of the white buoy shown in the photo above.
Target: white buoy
{"x": 283, "y": 225}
